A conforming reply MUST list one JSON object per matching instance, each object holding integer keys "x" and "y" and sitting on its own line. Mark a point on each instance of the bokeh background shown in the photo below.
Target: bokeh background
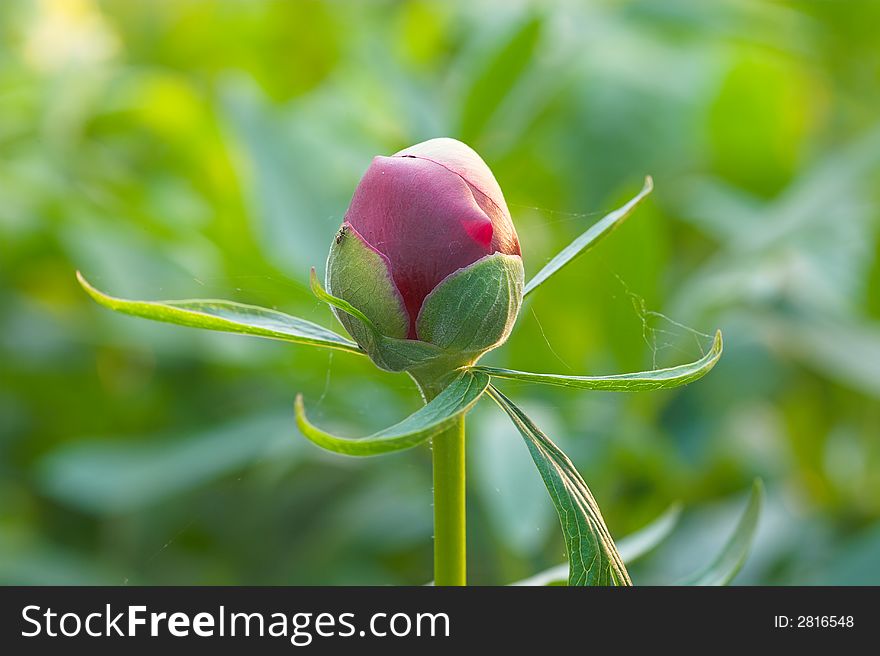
{"x": 174, "y": 149}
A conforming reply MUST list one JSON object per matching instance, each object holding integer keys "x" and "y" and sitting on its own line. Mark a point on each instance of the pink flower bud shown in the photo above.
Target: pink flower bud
{"x": 428, "y": 252}
{"x": 431, "y": 209}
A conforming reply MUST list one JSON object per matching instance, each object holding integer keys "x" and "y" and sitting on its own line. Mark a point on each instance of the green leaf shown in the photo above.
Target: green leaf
{"x": 593, "y": 558}
{"x": 732, "y": 557}
{"x": 588, "y": 239}
{"x": 433, "y": 418}
{"x": 361, "y": 275}
{"x": 635, "y": 382}
{"x": 226, "y": 316}
{"x": 474, "y": 309}
{"x": 631, "y": 548}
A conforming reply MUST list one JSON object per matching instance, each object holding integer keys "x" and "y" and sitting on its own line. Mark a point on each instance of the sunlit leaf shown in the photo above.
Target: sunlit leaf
{"x": 733, "y": 556}
{"x": 433, "y": 418}
{"x": 226, "y": 316}
{"x": 588, "y": 239}
{"x": 592, "y": 555}
{"x": 635, "y": 382}
{"x": 631, "y": 548}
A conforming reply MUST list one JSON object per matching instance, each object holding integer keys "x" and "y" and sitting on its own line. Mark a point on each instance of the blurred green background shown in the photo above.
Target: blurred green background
{"x": 182, "y": 149}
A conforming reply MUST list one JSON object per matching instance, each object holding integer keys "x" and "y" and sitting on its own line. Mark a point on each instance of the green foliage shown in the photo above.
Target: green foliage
{"x": 469, "y": 312}
{"x": 165, "y": 159}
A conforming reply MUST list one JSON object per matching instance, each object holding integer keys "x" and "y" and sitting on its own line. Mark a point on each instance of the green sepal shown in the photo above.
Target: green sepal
{"x": 431, "y": 419}
{"x": 389, "y": 353}
{"x": 468, "y": 313}
{"x": 361, "y": 275}
{"x": 428, "y": 364}
{"x": 474, "y": 309}
{"x": 226, "y": 316}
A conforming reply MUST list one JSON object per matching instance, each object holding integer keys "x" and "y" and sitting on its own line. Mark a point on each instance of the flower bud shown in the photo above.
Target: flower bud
{"x": 428, "y": 252}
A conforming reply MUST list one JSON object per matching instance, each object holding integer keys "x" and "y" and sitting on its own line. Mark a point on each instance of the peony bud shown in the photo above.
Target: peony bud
{"x": 428, "y": 252}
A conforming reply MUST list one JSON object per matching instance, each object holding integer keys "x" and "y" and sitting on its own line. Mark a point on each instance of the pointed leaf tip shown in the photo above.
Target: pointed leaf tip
{"x": 592, "y": 236}
{"x": 225, "y": 316}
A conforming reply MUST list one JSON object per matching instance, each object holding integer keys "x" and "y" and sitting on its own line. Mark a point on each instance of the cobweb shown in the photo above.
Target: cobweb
{"x": 659, "y": 331}
{"x": 668, "y": 340}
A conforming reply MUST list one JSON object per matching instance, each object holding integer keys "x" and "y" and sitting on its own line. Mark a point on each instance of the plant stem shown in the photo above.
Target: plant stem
{"x": 450, "y": 562}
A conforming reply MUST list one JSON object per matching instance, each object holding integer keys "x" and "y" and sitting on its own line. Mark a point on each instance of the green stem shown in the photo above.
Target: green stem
{"x": 450, "y": 562}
